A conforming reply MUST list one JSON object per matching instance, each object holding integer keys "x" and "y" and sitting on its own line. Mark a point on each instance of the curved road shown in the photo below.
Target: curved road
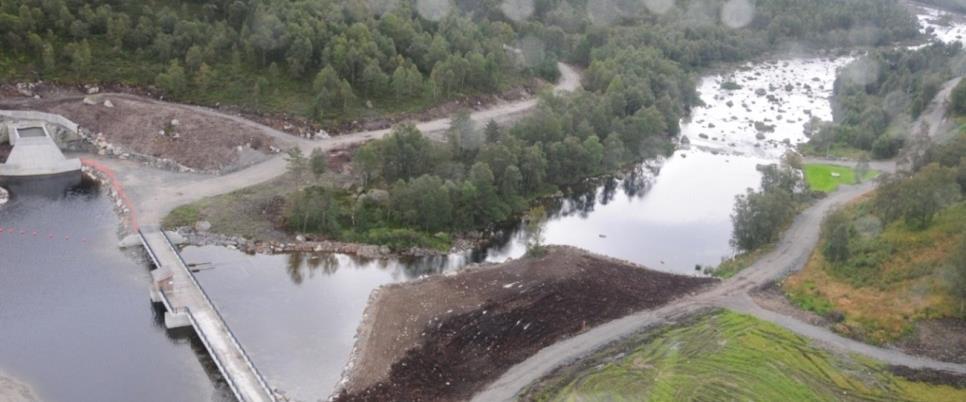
{"x": 157, "y": 192}
{"x": 790, "y": 255}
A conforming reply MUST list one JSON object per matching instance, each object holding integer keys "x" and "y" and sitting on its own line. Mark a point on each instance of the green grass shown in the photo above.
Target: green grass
{"x": 827, "y": 178}
{"x": 727, "y": 356}
{"x": 736, "y": 264}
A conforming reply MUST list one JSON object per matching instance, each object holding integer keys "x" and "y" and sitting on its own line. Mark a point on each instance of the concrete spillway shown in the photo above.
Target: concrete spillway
{"x": 34, "y": 153}
{"x": 188, "y": 306}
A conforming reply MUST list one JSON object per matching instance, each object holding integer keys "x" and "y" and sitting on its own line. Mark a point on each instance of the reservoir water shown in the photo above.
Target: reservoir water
{"x": 76, "y": 323}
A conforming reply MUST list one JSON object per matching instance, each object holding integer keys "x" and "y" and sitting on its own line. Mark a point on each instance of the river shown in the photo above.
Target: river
{"x": 67, "y": 304}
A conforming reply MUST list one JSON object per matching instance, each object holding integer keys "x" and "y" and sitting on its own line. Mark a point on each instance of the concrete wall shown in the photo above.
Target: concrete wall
{"x": 63, "y": 131}
{"x": 41, "y": 116}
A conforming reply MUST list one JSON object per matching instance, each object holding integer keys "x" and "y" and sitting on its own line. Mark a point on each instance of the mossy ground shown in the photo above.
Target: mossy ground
{"x": 727, "y": 356}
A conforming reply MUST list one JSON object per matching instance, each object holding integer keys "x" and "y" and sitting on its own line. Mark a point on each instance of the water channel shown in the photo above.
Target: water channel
{"x": 68, "y": 306}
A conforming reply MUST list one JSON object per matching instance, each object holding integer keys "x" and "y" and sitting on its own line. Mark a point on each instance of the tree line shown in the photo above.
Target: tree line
{"x": 638, "y": 83}
{"x": 242, "y": 51}
{"x": 877, "y": 97}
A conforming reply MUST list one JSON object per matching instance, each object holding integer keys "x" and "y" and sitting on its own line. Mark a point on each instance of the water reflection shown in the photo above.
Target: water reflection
{"x": 670, "y": 215}
{"x": 76, "y": 322}
{"x": 297, "y": 314}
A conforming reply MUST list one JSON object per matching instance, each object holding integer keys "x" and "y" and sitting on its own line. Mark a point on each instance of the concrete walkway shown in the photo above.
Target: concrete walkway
{"x": 188, "y": 305}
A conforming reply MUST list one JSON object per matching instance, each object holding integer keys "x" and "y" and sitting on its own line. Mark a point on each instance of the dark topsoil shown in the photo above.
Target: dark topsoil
{"x": 524, "y": 306}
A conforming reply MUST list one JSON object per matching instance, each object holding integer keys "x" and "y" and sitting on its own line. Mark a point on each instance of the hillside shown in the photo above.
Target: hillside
{"x": 891, "y": 268}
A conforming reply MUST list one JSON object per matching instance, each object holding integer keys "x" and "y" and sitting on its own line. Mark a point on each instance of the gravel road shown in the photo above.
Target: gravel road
{"x": 156, "y": 192}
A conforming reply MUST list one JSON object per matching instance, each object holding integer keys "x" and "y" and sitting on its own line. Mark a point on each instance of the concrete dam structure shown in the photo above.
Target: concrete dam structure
{"x": 187, "y": 305}
{"x": 34, "y": 152}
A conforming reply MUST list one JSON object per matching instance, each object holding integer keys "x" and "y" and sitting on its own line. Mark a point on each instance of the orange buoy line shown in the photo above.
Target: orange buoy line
{"x": 36, "y": 233}
{"x": 118, "y": 189}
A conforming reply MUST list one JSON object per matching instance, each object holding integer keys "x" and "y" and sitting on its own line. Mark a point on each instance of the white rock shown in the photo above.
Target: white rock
{"x": 175, "y": 122}
{"x": 202, "y": 226}
{"x": 93, "y": 90}
{"x": 108, "y": 103}
{"x": 89, "y": 100}
{"x": 176, "y": 238}
{"x": 130, "y": 241}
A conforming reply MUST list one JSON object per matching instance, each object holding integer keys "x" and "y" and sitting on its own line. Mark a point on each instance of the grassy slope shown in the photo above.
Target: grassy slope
{"x": 820, "y": 176}
{"x": 728, "y": 356}
{"x": 908, "y": 281}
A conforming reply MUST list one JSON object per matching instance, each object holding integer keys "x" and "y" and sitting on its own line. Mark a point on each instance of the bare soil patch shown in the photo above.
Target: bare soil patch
{"x": 444, "y": 338}
{"x": 942, "y": 339}
{"x": 929, "y": 376}
{"x": 198, "y": 141}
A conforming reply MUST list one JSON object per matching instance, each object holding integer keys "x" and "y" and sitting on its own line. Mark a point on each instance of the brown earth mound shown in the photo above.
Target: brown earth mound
{"x": 198, "y": 141}
{"x": 446, "y": 337}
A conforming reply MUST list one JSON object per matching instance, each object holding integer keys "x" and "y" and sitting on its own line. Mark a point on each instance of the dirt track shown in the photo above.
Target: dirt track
{"x": 445, "y": 337}
{"x": 789, "y": 255}
{"x": 157, "y": 192}
{"x": 142, "y": 125}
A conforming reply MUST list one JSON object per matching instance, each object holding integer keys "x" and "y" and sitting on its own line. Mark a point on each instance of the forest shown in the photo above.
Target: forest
{"x": 329, "y": 60}
{"x": 638, "y": 81}
{"x": 391, "y": 55}
{"x": 877, "y": 97}
{"x": 260, "y": 54}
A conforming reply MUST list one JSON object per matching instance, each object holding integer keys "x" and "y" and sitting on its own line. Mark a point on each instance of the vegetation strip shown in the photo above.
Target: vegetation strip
{"x": 729, "y": 356}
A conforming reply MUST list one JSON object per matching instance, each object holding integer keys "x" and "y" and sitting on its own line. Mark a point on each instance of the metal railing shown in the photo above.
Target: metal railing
{"x": 206, "y": 342}
{"x": 147, "y": 247}
{"x": 231, "y": 334}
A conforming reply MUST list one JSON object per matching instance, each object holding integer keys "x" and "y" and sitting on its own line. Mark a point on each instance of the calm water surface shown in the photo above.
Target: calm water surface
{"x": 298, "y": 315}
{"x": 76, "y": 323}
{"x": 65, "y": 305}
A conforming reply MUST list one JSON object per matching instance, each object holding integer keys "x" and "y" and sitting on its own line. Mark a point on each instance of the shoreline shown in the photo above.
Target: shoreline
{"x": 13, "y": 390}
